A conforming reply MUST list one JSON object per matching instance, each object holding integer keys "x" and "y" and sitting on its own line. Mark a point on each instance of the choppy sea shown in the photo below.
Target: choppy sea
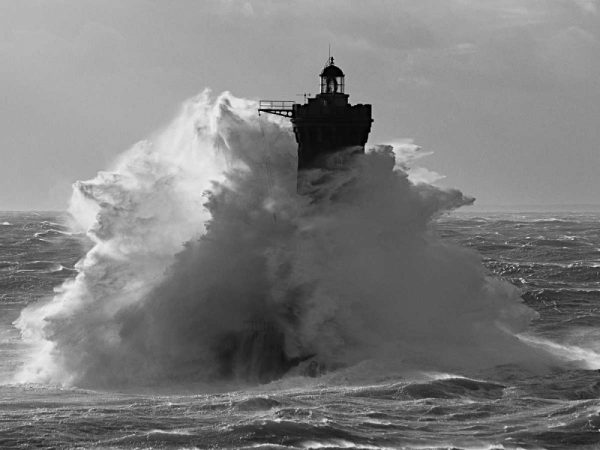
{"x": 553, "y": 257}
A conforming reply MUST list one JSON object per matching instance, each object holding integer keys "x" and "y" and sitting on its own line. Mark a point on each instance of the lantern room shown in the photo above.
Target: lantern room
{"x": 325, "y": 124}
{"x": 332, "y": 79}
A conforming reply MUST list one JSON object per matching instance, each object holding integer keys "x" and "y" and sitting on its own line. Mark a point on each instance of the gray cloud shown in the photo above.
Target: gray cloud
{"x": 83, "y": 80}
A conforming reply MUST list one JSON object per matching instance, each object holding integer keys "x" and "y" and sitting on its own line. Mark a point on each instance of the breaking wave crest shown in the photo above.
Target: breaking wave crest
{"x": 200, "y": 234}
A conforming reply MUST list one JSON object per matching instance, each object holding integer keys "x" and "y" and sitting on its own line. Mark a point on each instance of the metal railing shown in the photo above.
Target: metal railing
{"x": 283, "y": 108}
{"x": 276, "y": 104}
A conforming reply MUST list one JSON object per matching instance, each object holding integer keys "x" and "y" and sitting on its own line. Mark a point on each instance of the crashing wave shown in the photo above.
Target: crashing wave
{"x": 207, "y": 263}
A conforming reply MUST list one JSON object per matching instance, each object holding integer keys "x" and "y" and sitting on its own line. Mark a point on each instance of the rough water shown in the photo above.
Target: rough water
{"x": 422, "y": 327}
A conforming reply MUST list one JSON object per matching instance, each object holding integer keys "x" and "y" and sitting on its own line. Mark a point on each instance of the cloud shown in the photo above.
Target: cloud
{"x": 588, "y": 6}
{"x": 572, "y": 55}
{"x": 83, "y": 63}
{"x": 507, "y": 44}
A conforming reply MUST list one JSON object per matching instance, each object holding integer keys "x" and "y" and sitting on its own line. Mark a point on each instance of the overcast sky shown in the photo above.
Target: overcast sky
{"x": 506, "y": 93}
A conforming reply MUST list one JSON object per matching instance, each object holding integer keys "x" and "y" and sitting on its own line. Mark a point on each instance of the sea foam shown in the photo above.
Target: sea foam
{"x": 200, "y": 231}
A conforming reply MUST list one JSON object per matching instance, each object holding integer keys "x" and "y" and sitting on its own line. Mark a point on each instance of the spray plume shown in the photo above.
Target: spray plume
{"x": 201, "y": 232}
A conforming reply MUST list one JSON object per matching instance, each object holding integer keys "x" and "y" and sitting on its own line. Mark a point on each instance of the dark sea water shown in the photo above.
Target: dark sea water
{"x": 553, "y": 257}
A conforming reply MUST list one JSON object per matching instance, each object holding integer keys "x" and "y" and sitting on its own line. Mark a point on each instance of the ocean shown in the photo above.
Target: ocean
{"x": 200, "y": 293}
{"x": 554, "y": 258}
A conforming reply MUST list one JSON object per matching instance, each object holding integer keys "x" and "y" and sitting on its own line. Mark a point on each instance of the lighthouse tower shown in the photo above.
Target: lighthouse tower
{"x": 328, "y": 130}
{"x": 327, "y": 123}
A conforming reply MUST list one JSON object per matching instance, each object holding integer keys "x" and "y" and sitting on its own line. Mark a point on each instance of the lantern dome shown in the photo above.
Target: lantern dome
{"x": 331, "y": 70}
{"x": 332, "y": 79}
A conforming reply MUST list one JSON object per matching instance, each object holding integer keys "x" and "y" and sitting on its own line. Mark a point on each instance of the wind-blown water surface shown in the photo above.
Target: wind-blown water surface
{"x": 200, "y": 232}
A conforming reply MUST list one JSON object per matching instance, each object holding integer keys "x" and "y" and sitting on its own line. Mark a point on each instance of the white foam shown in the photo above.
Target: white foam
{"x": 588, "y": 358}
{"x": 201, "y": 229}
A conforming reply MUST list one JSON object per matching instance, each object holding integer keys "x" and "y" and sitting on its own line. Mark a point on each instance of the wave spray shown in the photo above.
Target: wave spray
{"x": 201, "y": 239}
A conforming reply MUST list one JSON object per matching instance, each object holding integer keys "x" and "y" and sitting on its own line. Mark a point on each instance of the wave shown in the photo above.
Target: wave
{"x": 555, "y": 220}
{"x": 207, "y": 264}
{"x": 52, "y": 233}
{"x": 42, "y": 267}
{"x": 47, "y": 224}
{"x": 439, "y": 387}
{"x": 37, "y": 266}
{"x": 564, "y": 295}
{"x": 574, "y": 275}
{"x": 454, "y": 388}
{"x": 36, "y": 241}
{"x": 60, "y": 269}
{"x": 559, "y": 242}
{"x": 589, "y": 358}
{"x": 8, "y": 265}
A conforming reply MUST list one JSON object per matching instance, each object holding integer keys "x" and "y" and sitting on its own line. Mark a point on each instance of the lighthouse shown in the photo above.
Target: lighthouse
{"x": 326, "y": 124}
{"x": 329, "y": 132}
